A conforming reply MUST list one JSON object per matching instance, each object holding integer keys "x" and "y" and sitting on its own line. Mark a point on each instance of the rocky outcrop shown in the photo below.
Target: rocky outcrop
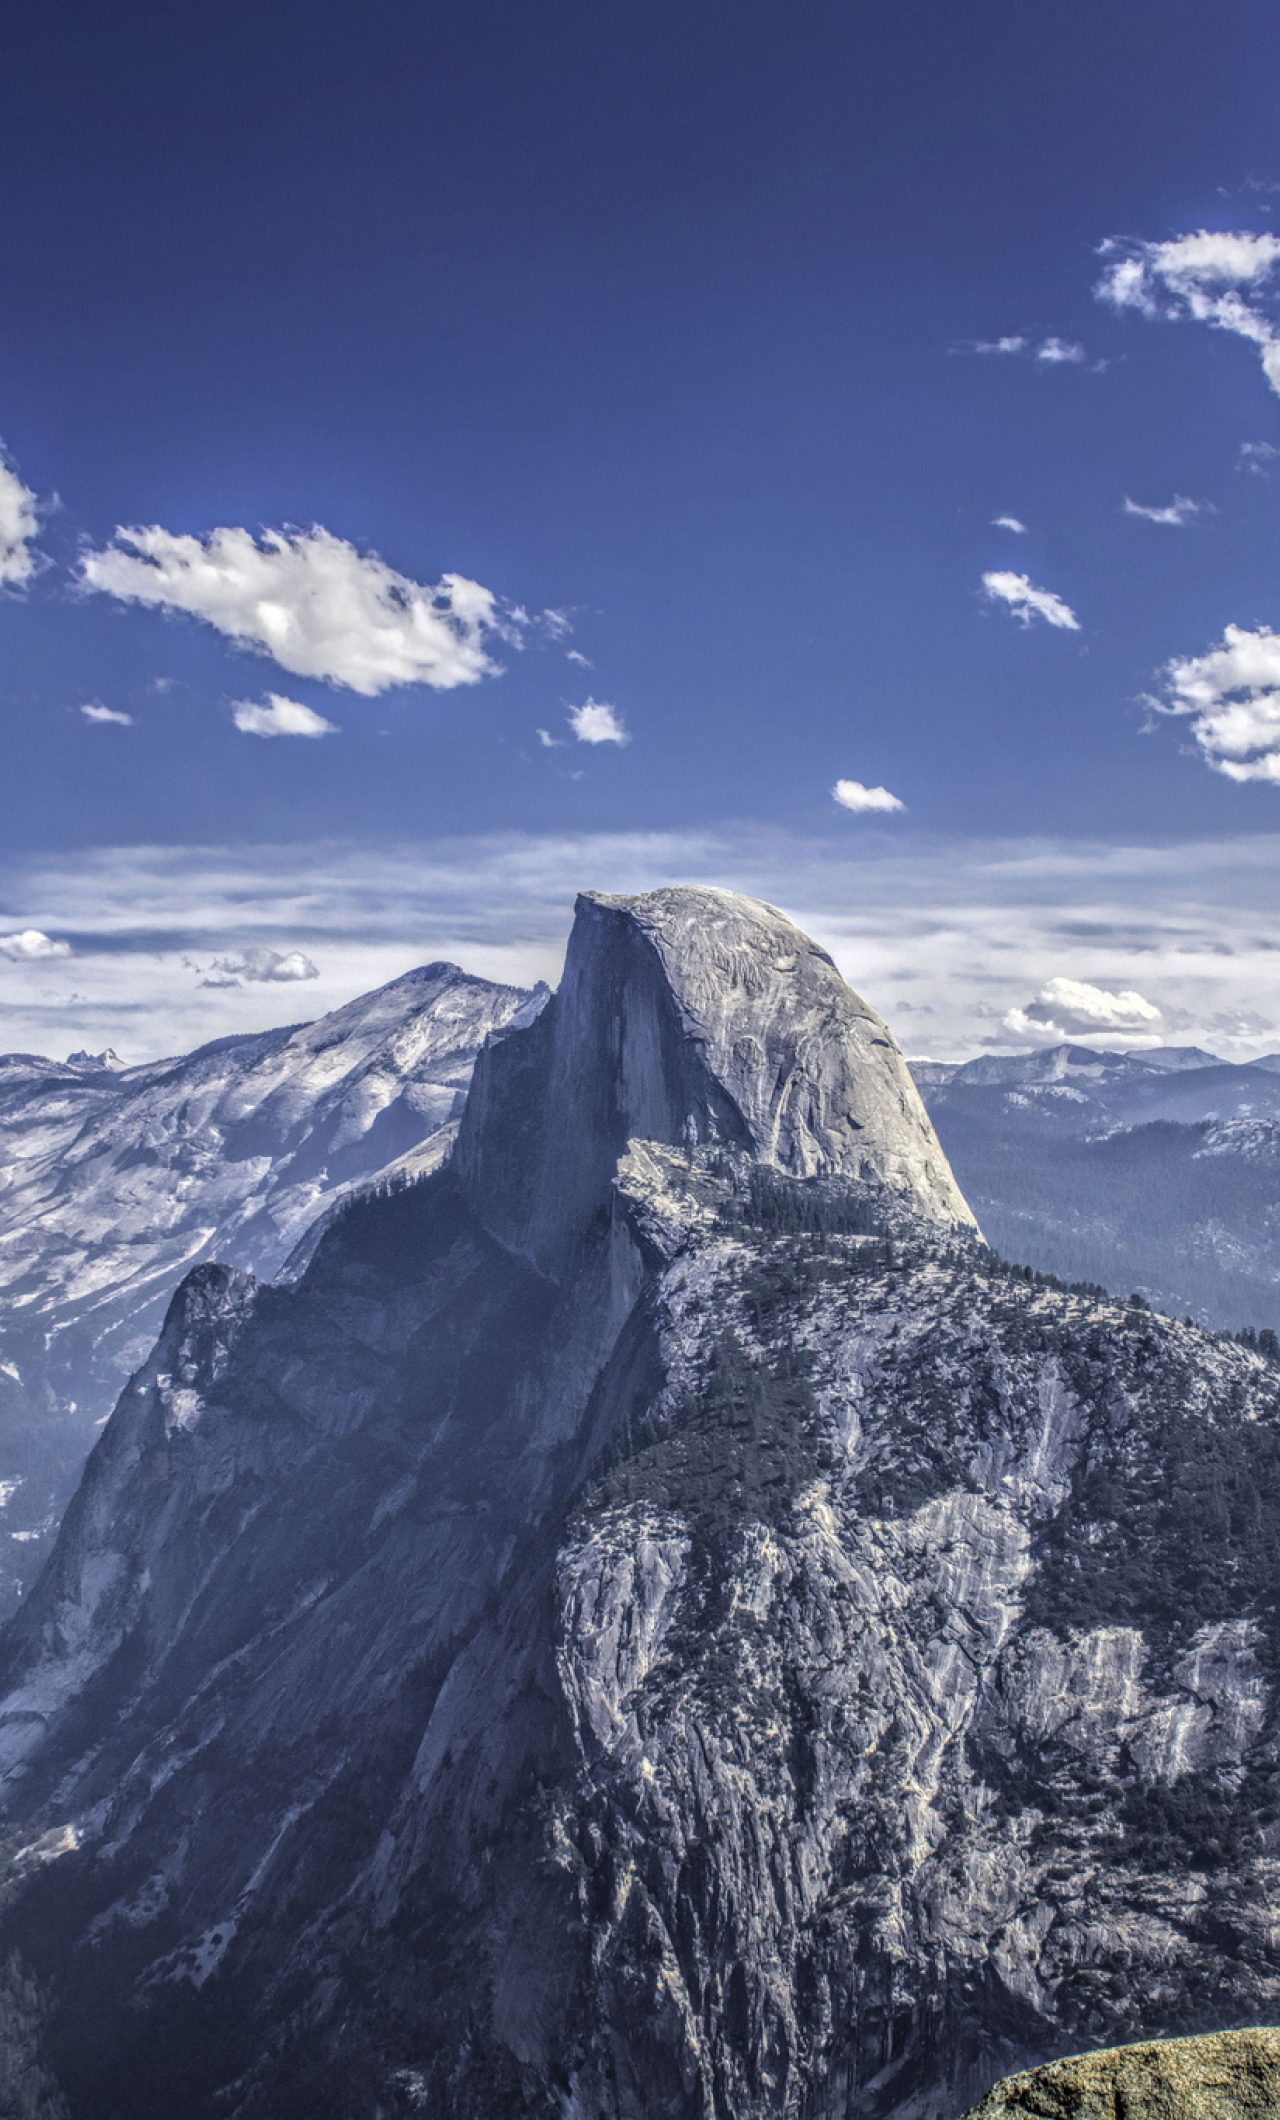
{"x": 1224, "y": 2076}
{"x": 690, "y": 1017}
{"x": 656, "y": 1627}
{"x": 115, "y": 1181}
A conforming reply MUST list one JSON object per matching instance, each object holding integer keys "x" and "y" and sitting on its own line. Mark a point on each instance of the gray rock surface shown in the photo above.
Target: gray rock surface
{"x": 690, "y": 1017}
{"x": 1221, "y": 2076}
{"x": 115, "y": 1181}
{"x": 714, "y": 1661}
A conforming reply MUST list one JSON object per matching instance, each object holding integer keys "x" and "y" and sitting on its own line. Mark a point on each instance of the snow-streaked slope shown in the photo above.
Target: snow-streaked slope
{"x": 1155, "y": 1171}
{"x": 114, "y": 1181}
{"x": 635, "y": 1631}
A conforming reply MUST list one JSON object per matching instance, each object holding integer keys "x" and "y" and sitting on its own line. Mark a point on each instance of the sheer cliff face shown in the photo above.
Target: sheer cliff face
{"x": 690, "y": 1017}
{"x": 115, "y": 1181}
{"x": 620, "y": 1638}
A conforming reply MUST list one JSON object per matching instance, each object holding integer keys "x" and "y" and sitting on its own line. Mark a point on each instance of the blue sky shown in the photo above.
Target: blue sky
{"x": 657, "y": 338}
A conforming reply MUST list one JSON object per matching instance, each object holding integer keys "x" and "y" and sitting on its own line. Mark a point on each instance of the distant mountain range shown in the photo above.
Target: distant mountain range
{"x": 115, "y": 1181}
{"x": 652, "y": 1620}
{"x": 1157, "y": 1172}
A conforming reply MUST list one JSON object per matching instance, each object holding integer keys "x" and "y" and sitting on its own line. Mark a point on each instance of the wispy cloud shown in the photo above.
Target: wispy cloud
{"x": 1009, "y": 522}
{"x": 596, "y": 722}
{"x": 852, "y": 795}
{"x": 19, "y": 524}
{"x": 574, "y": 655}
{"x": 1176, "y": 515}
{"x": 1076, "y": 1009}
{"x": 310, "y": 601}
{"x": 93, "y": 712}
{"x": 32, "y": 946}
{"x": 279, "y": 716}
{"x": 1232, "y": 696}
{"x": 1212, "y": 277}
{"x": 1257, "y": 457}
{"x": 1051, "y": 352}
{"x": 1026, "y": 602}
{"x": 1055, "y": 352}
{"x": 945, "y": 935}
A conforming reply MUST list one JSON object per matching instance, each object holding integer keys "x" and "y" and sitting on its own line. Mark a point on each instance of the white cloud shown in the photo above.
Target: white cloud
{"x": 31, "y": 945}
{"x": 1053, "y": 352}
{"x": 311, "y": 602}
{"x": 961, "y": 928}
{"x": 1257, "y": 457}
{"x": 97, "y": 713}
{"x": 261, "y": 966}
{"x": 1232, "y": 695}
{"x": 550, "y": 742}
{"x": 851, "y": 795}
{"x": 1009, "y": 522}
{"x": 594, "y": 722}
{"x": 280, "y": 717}
{"x": 574, "y": 655}
{"x": 1074, "y": 1008}
{"x": 18, "y": 526}
{"x": 1027, "y": 602}
{"x": 1212, "y": 277}
{"x": 1179, "y": 512}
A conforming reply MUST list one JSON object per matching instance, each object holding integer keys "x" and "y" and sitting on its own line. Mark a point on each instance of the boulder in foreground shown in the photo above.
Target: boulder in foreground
{"x": 1221, "y": 2076}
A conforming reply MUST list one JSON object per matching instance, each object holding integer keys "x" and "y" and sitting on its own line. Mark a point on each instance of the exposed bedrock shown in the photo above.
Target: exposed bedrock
{"x": 619, "y": 1639}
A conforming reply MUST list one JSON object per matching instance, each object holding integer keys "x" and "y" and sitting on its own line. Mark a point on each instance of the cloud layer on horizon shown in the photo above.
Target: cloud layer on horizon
{"x": 945, "y": 937}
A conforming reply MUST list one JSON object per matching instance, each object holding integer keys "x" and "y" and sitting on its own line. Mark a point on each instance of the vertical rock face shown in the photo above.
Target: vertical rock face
{"x": 689, "y": 1017}
{"x": 627, "y": 1635}
{"x": 115, "y": 1182}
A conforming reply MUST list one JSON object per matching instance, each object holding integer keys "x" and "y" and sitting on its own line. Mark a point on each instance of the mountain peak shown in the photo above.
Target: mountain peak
{"x": 690, "y": 1016}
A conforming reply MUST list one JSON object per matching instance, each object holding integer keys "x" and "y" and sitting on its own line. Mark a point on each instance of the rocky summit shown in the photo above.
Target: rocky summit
{"x": 654, "y": 1620}
{"x": 1221, "y": 2076}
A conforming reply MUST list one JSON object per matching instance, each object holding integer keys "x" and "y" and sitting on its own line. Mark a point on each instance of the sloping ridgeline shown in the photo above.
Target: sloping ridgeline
{"x": 657, "y": 1621}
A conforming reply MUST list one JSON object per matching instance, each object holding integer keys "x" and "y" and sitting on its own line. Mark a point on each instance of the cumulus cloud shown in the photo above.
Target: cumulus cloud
{"x": 594, "y": 722}
{"x": 1011, "y": 345}
{"x": 310, "y": 601}
{"x": 260, "y": 966}
{"x": 1211, "y": 277}
{"x": 1232, "y": 696}
{"x": 851, "y": 795}
{"x": 280, "y": 717}
{"x": 1026, "y": 602}
{"x": 31, "y": 946}
{"x": 93, "y": 712}
{"x": 1072, "y": 1008}
{"x": 1176, "y": 515}
{"x": 18, "y": 526}
{"x": 1009, "y": 522}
